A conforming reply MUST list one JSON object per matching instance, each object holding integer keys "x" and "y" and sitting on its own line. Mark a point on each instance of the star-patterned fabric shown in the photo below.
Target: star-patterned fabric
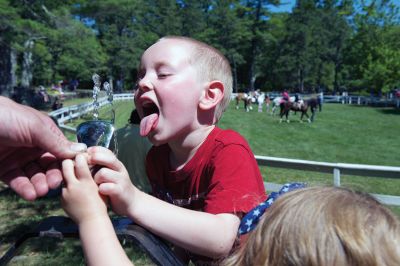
{"x": 250, "y": 220}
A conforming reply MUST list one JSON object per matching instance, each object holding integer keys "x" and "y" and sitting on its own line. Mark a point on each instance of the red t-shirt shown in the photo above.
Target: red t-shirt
{"x": 222, "y": 177}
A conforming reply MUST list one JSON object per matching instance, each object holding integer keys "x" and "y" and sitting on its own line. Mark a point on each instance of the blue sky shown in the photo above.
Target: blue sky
{"x": 285, "y": 6}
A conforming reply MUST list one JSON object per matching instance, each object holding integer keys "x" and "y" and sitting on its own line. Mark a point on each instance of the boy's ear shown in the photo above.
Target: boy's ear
{"x": 213, "y": 95}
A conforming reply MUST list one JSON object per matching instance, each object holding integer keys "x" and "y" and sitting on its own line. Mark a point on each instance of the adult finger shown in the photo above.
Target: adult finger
{"x": 53, "y": 170}
{"x": 68, "y": 172}
{"x": 38, "y": 178}
{"x": 40, "y": 184}
{"x": 54, "y": 175}
{"x": 21, "y": 184}
{"x": 18, "y": 159}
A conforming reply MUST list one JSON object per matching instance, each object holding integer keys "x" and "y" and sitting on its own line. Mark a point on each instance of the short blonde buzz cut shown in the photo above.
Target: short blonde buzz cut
{"x": 212, "y": 65}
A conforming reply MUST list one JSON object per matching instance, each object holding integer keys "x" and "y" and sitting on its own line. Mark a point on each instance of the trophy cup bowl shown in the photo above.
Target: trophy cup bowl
{"x": 95, "y": 133}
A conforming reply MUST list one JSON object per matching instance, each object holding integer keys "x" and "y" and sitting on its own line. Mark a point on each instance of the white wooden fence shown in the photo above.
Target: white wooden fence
{"x": 336, "y": 169}
{"x": 347, "y": 99}
{"x": 66, "y": 114}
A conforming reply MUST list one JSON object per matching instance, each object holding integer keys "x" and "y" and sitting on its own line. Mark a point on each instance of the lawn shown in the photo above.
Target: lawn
{"x": 340, "y": 133}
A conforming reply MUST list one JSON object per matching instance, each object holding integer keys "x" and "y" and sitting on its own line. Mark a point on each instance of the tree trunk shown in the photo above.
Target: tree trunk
{"x": 336, "y": 84}
{"x": 300, "y": 79}
{"x": 26, "y": 76}
{"x": 5, "y": 70}
{"x": 111, "y": 80}
{"x": 254, "y": 46}
{"x": 234, "y": 70}
{"x": 13, "y": 72}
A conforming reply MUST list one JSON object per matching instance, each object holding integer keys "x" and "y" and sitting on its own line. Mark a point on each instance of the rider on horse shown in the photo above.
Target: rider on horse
{"x": 297, "y": 101}
{"x": 285, "y": 97}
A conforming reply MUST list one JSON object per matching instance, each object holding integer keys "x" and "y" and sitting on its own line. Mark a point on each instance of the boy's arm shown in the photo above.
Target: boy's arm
{"x": 202, "y": 233}
{"x": 210, "y": 235}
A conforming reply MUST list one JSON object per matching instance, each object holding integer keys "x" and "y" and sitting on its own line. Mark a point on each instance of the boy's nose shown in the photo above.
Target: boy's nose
{"x": 145, "y": 84}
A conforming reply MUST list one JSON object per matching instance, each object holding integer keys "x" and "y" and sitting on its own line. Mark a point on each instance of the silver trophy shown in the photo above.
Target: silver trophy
{"x": 98, "y": 132}
{"x": 95, "y": 133}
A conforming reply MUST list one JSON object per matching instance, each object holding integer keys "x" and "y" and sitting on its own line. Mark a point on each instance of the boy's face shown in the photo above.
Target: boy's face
{"x": 169, "y": 91}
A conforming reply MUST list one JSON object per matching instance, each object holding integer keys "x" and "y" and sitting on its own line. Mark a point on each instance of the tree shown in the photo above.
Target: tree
{"x": 373, "y": 56}
{"x": 297, "y": 55}
{"x": 257, "y": 16}
{"x": 228, "y": 34}
{"x": 8, "y": 29}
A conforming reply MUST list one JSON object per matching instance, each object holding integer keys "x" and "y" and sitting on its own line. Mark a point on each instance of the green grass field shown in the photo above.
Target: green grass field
{"x": 340, "y": 133}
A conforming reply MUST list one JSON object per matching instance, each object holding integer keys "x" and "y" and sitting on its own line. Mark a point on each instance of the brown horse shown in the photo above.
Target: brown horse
{"x": 246, "y": 98}
{"x": 301, "y": 106}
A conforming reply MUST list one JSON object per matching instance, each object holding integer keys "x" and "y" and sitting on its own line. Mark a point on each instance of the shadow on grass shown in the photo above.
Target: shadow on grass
{"x": 382, "y": 109}
{"x": 390, "y": 111}
{"x": 19, "y": 216}
{"x": 49, "y": 251}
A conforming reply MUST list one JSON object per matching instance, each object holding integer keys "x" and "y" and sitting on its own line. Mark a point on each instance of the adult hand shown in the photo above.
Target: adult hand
{"x": 30, "y": 146}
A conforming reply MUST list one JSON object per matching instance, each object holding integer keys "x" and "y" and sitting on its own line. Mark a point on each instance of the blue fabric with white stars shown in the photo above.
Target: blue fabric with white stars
{"x": 250, "y": 220}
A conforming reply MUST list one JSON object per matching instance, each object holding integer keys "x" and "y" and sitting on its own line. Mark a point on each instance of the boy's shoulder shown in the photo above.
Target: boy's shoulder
{"x": 228, "y": 136}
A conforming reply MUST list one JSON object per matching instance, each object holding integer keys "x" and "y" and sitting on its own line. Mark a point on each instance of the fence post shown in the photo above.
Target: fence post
{"x": 336, "y": 177}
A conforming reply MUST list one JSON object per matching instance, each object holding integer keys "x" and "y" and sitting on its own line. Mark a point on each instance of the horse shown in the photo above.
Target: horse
{"x": 246, "y": 98}
{"x": 277, "y": 102}
{"x": 301, "y": 106}
{"x": 313, "y": 103}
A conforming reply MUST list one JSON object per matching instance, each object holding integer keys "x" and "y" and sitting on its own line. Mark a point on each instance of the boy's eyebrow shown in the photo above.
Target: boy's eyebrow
{"x": 157, "y": 65}
{"x": 162, "y": 64}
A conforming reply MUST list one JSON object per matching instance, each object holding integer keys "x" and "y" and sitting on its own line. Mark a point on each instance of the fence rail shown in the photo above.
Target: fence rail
{"x": 336, "y": 169}
{"x": 347, "y": 99}
{"x": 66, "y": 114}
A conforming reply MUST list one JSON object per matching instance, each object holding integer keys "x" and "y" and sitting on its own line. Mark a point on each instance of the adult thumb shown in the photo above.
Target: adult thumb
{"x": 49, "y": 138}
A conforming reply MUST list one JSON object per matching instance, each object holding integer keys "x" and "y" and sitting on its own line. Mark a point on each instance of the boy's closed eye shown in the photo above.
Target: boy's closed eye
{"x": 163, "y": 75}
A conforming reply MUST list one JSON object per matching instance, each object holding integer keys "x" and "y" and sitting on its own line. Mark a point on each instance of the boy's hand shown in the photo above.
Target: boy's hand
{"x": 113, "y": 179}
{"x": 80, "y": 196}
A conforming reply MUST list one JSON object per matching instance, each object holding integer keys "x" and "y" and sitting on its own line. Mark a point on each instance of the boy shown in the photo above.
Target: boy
{"x": 209, "y": 175}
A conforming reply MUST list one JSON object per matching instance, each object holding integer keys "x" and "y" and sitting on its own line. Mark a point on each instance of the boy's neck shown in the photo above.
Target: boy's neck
{"x": 185, "y": 149}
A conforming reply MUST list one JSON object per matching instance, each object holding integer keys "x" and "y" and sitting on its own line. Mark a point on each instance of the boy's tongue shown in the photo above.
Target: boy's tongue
{"x": 147, "y": 124}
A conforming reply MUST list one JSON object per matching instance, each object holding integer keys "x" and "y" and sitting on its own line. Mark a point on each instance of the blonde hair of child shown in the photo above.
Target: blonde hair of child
{"x": 323, "y": 226}
{"x": 212, "y": 65}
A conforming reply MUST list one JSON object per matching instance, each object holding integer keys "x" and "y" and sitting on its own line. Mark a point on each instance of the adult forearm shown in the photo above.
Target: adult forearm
{"x": 199, "y": 232}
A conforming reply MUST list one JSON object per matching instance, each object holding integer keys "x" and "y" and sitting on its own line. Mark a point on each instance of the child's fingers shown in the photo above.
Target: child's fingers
{"x": 82, "y": 168}
{"x": 104, "y": 157}
{"x": 105, "y": 175}
{"x": 109, "y": 189}
{"x": 68, "y": 172}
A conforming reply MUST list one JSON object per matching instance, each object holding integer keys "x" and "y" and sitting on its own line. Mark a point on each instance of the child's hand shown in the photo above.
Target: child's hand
{"x": 80, "y": 196}
{"x": 113, "y": 179}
